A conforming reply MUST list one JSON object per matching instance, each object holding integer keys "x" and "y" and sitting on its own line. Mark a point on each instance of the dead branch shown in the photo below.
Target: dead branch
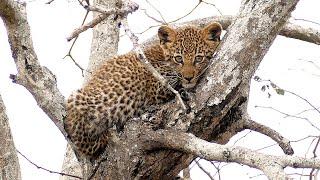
{"x": 128, "y": 8}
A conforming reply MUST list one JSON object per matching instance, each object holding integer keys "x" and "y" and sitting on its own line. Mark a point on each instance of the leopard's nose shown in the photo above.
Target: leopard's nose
{"x": 188, "y": 78}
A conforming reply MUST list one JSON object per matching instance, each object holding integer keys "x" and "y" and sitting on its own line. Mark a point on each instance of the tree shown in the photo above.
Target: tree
{"x": 160, "y": 146}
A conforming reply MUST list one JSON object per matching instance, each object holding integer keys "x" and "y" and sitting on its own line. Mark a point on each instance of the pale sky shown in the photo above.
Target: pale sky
{"x": 286, "y": 64}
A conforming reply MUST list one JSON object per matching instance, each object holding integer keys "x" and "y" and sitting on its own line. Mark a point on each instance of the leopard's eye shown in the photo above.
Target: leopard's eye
{"x": 178, "y": 59}
{"x": 198, "y": 59}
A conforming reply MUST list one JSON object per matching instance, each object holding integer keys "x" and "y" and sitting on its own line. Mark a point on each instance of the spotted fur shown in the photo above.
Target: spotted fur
{"x": 123, "y": 88}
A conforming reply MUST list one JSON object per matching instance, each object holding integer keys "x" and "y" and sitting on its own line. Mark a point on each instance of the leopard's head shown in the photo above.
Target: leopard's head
{"x": 189, "y": 49}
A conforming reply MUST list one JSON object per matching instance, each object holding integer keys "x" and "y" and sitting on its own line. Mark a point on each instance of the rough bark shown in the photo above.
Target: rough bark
{"x": 9, "y": 163}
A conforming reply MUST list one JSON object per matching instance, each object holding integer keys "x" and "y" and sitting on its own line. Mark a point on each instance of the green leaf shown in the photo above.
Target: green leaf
{"x": 280, "y": 91}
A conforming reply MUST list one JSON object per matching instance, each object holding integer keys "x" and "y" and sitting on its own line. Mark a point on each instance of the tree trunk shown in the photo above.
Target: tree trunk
{"x": 9, "y": 163}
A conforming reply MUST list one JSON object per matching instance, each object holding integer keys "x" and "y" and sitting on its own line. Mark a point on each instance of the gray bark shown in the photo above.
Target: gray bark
{"x": 9, "y": 163}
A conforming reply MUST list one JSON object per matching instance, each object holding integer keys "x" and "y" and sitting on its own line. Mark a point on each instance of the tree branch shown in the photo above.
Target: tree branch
{"x": 37, "y": 79}
{"x": 45, "y": 169}
{"x": 128, "y": 7}
{"x": 282, "y": 142}
{"x": 271, "y": 165}
{"x": 289, "y": 30}
{"x": 9, "y": 163}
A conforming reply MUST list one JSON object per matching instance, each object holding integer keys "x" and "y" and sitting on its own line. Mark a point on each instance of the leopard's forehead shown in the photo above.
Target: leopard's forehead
{"x": 189, "y": 38}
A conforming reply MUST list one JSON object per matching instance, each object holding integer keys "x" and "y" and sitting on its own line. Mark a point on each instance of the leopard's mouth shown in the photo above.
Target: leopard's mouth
{"x": 188, "y": 85}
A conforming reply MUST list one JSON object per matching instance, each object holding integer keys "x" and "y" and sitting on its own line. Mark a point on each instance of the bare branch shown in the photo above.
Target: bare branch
{"x": 204, "y": 170}
{"x": 163, "y": 20}
{"x": 194, "y": 8}
{"x": 211, "y": 4}
{"x": 289, "y": 115}
{"x": 306, "y": 20}
{"x": 146, "y": 63}
{"x": 72, "y": 45}
{"x": 153, "y": 18}
{"x": 127, "y": 8}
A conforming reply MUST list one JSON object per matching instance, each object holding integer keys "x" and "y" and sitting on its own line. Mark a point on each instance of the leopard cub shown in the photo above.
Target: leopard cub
{"x": 123, "y": 88}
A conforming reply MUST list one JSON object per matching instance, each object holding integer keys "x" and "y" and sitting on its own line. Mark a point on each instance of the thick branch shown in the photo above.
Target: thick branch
{"x": 271, "y": 165}
{"x": 9, "y": 163}
{"x": 37, "y": 79}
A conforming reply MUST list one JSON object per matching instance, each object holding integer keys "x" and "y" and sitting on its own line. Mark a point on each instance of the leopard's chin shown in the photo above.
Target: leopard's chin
{"x": 188, "y": 85}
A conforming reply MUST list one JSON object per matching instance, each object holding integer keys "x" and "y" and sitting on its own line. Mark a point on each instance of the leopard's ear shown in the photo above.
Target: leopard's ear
{"x": 212, "y": 32}
{"x": 166, "y": 36}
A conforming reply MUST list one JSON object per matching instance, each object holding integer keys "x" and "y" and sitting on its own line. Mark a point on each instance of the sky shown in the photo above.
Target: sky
{"x": 291, "y": 64}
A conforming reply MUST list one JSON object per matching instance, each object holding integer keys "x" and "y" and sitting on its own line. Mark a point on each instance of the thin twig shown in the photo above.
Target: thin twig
{"x": 163, "y": 20}
{"x": 49, "y": 2}
{"x": 71, "y": 47}
{"x": 300, "y": 19}
{"x": 45, "y": 169}
{"x": 142, "y": 57}
{"x": 311, "y": 62}
{"x": 304, "y": 99}
{"x": 293, "y": 141}
{"x": 153, "y": 18}
{"x": 217, "y": 168}
{"x": 289, "y": 115}
{"x": 204, "y": 170}
{"x": 213, "y": 6}
{"x": 258, "y": 79}
{"x": 186, "y": 14}
{"x": 301, "y": 112}
{"x": 242, "y": 137}
{"x": 314, "y": 156}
